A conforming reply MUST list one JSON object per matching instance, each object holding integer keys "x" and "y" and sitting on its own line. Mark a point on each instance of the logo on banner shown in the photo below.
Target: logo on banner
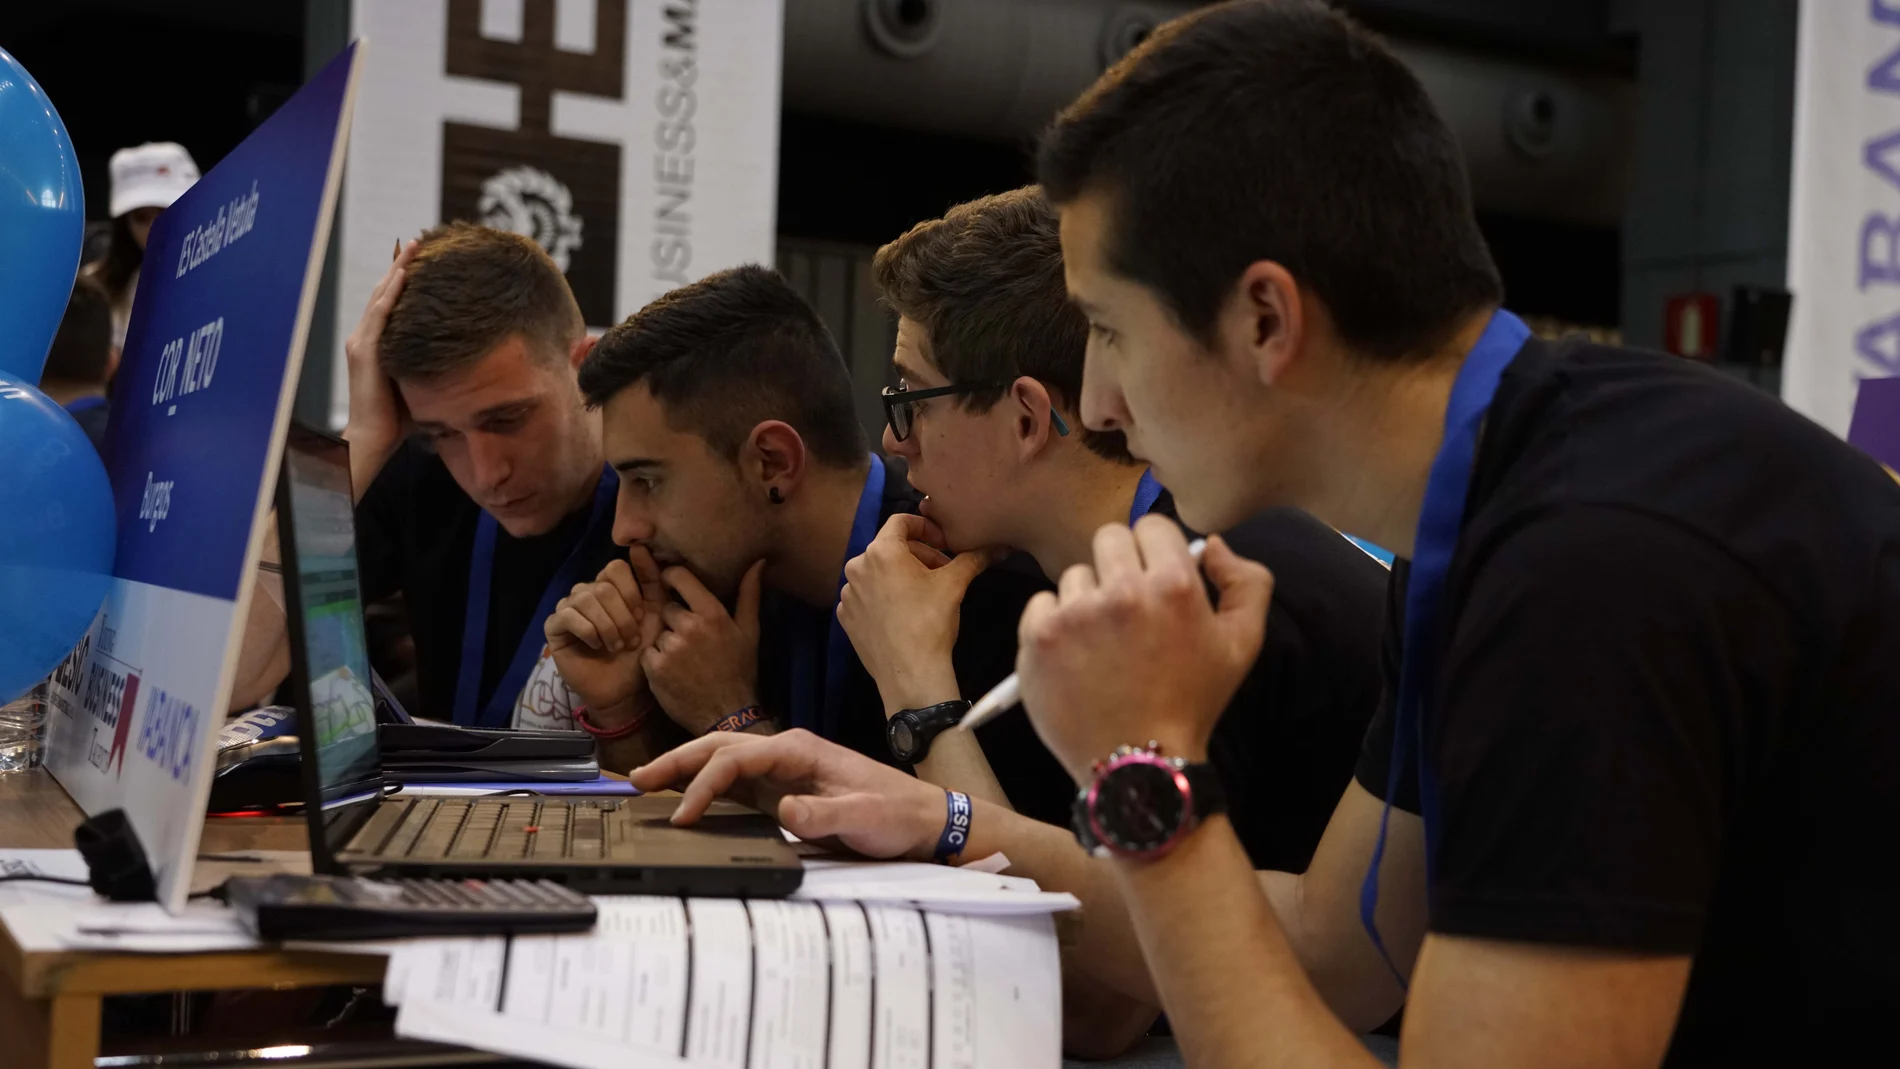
{"x": 111, "y": 693}
{"x": 533, "y": 203}
{"x": 563, "y": 192}
{"x": 66, "y": 679}
{"x": 169, "y": 738}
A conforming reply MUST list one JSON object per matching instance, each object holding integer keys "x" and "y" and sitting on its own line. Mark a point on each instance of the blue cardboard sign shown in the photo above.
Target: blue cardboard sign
{"x": 219, "y": 300}
{"x": 198, "y": 425}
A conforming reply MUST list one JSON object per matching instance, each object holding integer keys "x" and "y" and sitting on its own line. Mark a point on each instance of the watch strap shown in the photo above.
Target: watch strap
{"x": 1210, "y": 798}
{"x": 926, "y": 724}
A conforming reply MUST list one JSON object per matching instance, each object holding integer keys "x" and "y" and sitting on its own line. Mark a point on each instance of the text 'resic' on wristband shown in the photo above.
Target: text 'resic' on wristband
{"x": 956, "y": 826}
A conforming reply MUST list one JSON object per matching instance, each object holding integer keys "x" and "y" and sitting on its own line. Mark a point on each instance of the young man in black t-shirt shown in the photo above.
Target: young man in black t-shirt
{"x": 988, "y": 341}
{"x": 746, "y": 483}
{"x": 481, "y": 496}
{"x": 1644, "y": 683}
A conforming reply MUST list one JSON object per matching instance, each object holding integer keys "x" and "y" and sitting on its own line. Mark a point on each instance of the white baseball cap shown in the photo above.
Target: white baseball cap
{"x": 152, "y": 175}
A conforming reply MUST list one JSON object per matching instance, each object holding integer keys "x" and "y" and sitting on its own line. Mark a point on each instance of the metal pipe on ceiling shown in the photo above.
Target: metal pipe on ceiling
{"x": 1540, "y": 141}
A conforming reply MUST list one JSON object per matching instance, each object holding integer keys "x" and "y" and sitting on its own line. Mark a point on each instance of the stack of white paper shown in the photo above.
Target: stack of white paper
{"x": 936, "y": 887}
{"x": 872, "y": 965}
{"x": 747, "y": 985}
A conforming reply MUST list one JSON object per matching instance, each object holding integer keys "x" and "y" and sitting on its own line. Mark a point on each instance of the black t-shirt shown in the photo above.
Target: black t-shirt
{"x": 1286, "y": 745}
{"x": 415, "y": 534}
{"x": 1667, "y": 706}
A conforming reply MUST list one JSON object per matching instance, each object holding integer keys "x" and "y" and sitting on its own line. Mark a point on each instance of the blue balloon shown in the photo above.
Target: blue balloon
{"x": 42, "y": 218}
{"x": 58, "y": 533}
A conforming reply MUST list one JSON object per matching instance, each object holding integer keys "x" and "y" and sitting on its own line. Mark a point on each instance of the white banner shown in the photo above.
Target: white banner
{"x": 635, "y": 140}
{"x": 1844, "y": 219}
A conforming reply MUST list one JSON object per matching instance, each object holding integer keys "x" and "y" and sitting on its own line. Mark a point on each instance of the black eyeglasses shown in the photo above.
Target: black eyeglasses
{"x": 898, "y": 402}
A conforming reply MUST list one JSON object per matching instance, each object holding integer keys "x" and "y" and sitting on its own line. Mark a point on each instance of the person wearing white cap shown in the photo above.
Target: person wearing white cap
{"x": 146, "y": 179}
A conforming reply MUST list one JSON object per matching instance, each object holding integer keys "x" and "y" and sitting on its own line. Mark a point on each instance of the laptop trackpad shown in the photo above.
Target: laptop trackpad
{"x": 727, "y": 834}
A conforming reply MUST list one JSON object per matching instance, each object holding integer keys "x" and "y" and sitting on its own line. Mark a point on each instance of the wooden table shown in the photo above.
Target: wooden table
{"x": 49, "y": 1002}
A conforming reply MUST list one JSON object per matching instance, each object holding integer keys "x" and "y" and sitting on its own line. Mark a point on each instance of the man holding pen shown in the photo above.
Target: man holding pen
{"x": 1641, "y": 740}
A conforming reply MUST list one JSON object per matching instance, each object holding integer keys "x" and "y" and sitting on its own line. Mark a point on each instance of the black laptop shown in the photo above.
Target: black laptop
{"x": 600, "y": 844}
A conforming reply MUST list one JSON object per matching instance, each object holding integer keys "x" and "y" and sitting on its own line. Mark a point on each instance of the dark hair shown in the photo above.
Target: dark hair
{"x": 82, "y": 349}
{"x": 985, "y": 283}
{"x": 468, "y": 289}
{"x": 727, "y": 353}
{"x": 1278, "y": 130}
{"x": 121, "y": 261}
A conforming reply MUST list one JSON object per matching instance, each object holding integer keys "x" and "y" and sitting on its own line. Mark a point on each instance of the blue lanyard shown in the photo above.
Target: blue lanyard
{"x": 1147, "y": 492}
{"x": 84, "y": 404}
{"x": 1439, "y": 520}
{"x": 498, "y": 713}
{"x": 838, "y": 651}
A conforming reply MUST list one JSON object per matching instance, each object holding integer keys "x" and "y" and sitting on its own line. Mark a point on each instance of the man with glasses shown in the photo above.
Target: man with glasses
{"x": 989, "y": 353}
{"x": 745, "y": 484}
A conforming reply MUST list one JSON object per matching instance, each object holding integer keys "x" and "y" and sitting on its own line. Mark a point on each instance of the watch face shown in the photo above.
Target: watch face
{"x": 1138, "y": 807}
{"x": 903, "y": 739}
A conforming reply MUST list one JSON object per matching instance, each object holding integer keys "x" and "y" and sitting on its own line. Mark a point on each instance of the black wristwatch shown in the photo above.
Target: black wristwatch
{"x": 910, "y": 731}
{"x": 1141, "y": 804}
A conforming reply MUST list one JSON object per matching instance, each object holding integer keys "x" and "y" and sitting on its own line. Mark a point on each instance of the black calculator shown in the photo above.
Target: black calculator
{"x": 350, "y": 907}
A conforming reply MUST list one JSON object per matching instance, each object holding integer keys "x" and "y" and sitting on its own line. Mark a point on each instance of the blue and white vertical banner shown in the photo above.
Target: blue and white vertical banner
{"x": 203, "y": 401}
{"x": 635, "y": 140}
{"x": 1844, "y": 214}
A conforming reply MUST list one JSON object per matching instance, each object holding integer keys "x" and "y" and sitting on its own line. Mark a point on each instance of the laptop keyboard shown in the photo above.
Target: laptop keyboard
{"x": 444, "y": 829}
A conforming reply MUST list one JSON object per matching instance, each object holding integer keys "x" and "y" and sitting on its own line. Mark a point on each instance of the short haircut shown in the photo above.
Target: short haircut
{"x": 985, "y": 283}
{"x": 469, "y": 289}
{"x": 727, "y": 353}
{"x": 82, "y": 349}
{"x": 1278, "y": 130}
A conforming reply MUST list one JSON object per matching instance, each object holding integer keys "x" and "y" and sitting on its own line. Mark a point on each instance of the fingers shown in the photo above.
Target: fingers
{"x": 1035, "y": 617}
{"x": 569, "y": 621}
{"x": 601, "y": 607}
{"x": 1163, "y": 548}
{"x": 783, "y": 760}
{"x": 747, "y": 610}
{"x": 683, "y": 762}
{"x": 1116, "y": 557}
{"x": 928, "y": 555}
{"x": 694, "y": 592}
{"x": 910, "y": 527}
{"x": 1076, "y": 580}
{"x": 646, "y": 572}
{"x": 813, "y": 816}
{"x": 619, "y": 575}
{"x": 384, "y": 297}
{"x": 1246, "y": 589}
{"x": 624, "y": 617}
{"x": 966, "y": 567}
{"x": 675, "y": 615}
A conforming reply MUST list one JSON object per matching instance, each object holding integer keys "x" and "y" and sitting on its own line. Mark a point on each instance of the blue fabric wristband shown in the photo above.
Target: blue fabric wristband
{"x": 956, "y": 826}
{"x": 738, "y": 721}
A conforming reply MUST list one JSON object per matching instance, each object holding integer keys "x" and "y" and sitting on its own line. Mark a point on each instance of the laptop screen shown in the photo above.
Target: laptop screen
{"x": 329, "y": 606}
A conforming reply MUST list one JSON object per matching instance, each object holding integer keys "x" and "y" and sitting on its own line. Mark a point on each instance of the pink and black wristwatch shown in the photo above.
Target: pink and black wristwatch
{"x": 1141, "y": 804}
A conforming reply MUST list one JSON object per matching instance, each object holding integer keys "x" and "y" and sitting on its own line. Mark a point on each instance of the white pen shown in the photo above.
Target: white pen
{"x": 1005, "y": 695}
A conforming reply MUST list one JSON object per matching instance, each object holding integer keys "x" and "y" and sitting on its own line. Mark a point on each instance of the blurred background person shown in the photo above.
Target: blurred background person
{"x": 146, "y": 179}
{"x": 83, "y": 358}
